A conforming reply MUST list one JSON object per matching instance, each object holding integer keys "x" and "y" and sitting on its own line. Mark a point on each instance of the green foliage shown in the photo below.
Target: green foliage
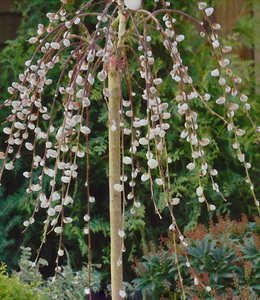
{"x": 70, "y": 285}
{"x": 156, "y": 273}
{"x": 67, "y": 285}
{"x": 98, "y": 145}
{"x": 10, "y": 228}
{"x": 11, "y": 288}
{"x": 224, "y": 257}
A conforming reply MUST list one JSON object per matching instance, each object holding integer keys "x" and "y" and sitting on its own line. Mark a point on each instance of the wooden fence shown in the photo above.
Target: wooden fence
{"x": 9, "y": 21}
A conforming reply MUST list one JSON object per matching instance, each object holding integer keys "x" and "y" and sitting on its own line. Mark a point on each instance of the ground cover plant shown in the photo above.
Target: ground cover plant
{"x": 160, "y": 137}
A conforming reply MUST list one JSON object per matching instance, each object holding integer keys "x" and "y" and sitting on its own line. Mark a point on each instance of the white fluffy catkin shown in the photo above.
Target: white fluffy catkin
{"x": 133, "y": 4}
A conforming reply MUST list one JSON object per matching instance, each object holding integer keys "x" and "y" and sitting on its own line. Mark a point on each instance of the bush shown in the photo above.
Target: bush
{"x": 220, "y": 262}
{"x": 11, "y": 288}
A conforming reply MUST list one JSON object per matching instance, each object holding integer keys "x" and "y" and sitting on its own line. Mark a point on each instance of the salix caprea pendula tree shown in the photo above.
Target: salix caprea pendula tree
{"x": 117, "y": 56}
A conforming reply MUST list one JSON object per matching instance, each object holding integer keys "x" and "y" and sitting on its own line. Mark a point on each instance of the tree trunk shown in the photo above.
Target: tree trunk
{"x": 115, "y": 99}
{"x": 114, "y": 178}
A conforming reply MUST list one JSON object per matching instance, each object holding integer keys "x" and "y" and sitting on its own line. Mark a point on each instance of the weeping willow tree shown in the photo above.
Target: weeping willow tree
{"x": 117, "y": 56}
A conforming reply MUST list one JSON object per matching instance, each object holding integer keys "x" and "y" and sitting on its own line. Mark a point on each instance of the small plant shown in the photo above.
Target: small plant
{"x": 12, "y": 288}
{"x": 224, "y": 262}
